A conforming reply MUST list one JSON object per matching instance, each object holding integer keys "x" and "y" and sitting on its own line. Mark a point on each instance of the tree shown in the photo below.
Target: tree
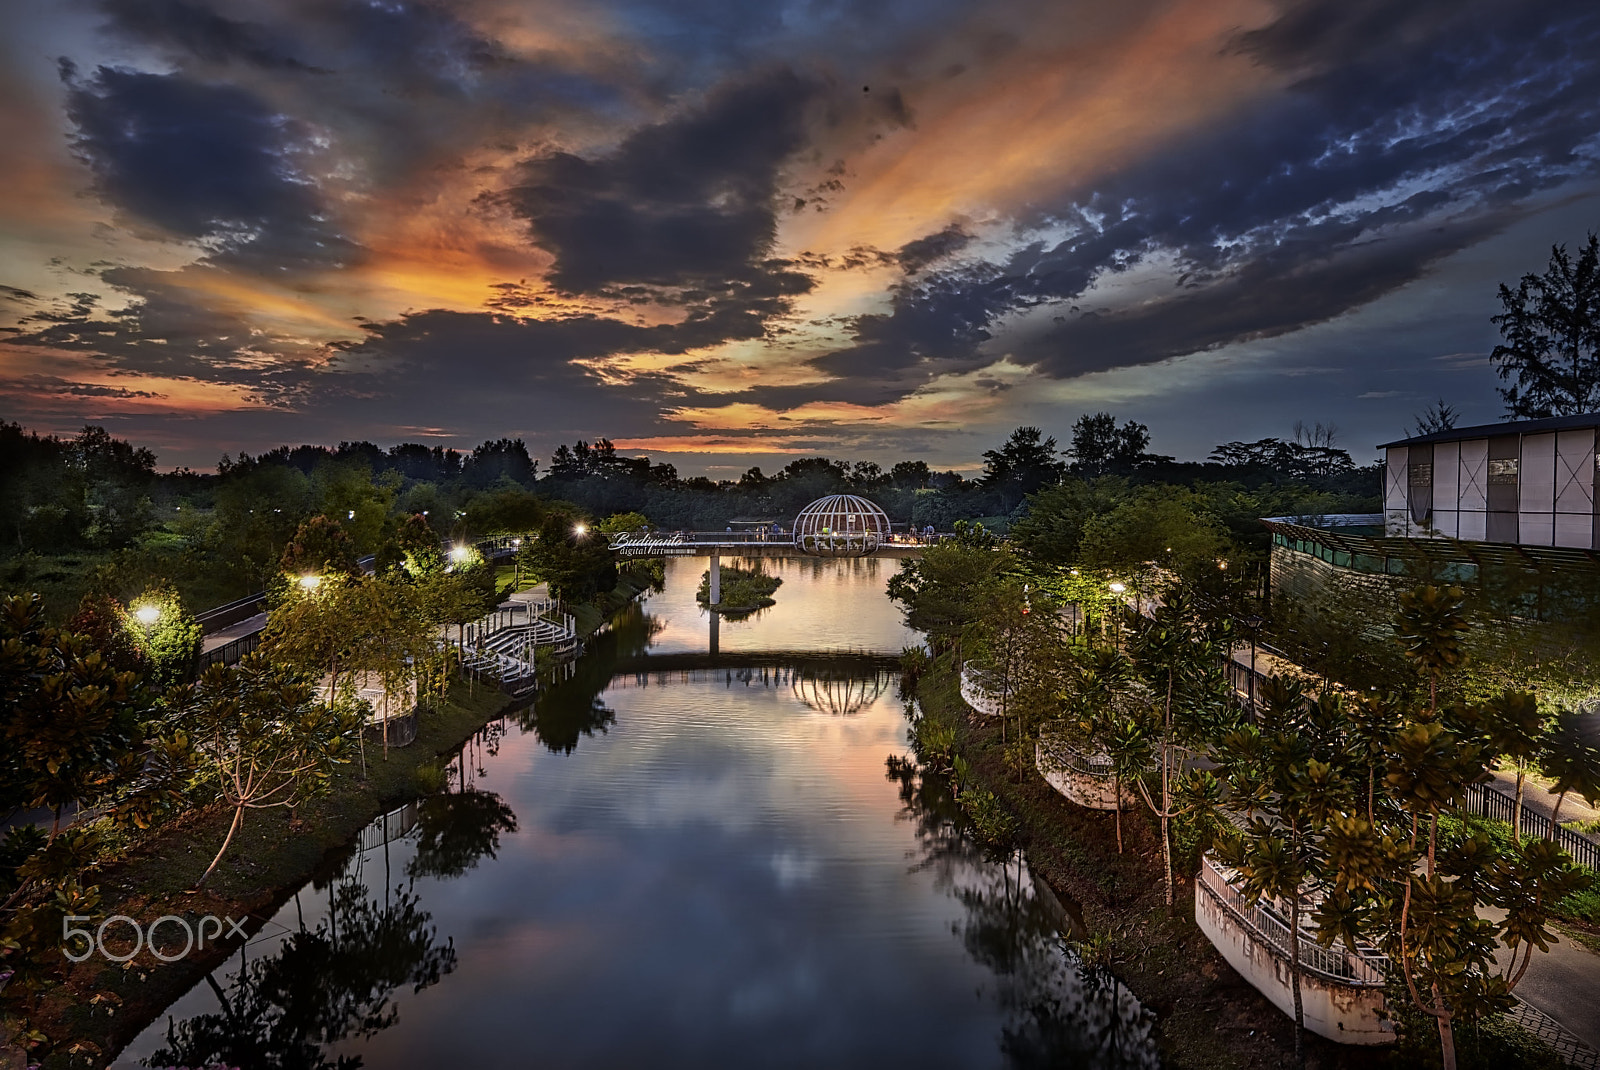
{"x": 69, "y": 721}
{"x": 1291, "y": 776}
{"x": 577, "y": 562}
{"x": 170, "y": 642}
{"x": 1100, "y": 446}
{"x": 1432, "y": 628}
{"x": 1437, "y": 417}
{"x": 1167, "y": 527}
{"x": 1015, "y": 645}
{"x": 949, "y": 586}
{"x": 1551, "y": 337}
{"x": 1179, "y": 657}
{"x": 1052, "y": 531}
{"x": 1444, "y": 949}
{"x": 320, "y": 547}
{"x": 1514, "y": 726}
{"x": 910, "y": 475}
{"x": 1570, "y": 756}
{"x": 265, "y": 742}
{"x": 1026, "y": 462}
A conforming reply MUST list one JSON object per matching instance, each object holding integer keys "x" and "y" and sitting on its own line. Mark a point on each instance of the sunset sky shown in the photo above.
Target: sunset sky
{"x": 728, "y": 232}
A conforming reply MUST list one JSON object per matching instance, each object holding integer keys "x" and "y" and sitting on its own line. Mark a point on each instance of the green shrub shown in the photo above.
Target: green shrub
{"x": 992, "y": 823}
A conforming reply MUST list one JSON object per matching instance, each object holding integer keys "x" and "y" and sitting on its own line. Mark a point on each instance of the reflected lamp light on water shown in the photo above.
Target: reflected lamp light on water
{"x": 147, "y": 615}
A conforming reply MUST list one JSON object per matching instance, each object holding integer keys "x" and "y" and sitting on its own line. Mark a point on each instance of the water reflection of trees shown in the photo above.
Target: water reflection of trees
{"x": 571, "y": 708}
{"x": 324, "y": 985}
{"x": 1060, "y": 1012}
{"x": 456, "y": 830}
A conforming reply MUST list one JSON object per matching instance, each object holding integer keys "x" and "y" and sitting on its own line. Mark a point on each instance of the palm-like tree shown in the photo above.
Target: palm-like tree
{"x": 1514, "y": 725}
{"x": 1570, "y": 755}
{"x": 1432, "y": 628}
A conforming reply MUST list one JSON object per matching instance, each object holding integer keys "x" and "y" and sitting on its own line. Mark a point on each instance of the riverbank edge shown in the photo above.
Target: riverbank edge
{"x": 1207, "y": 1016}
{"x": 101, "y": 1007}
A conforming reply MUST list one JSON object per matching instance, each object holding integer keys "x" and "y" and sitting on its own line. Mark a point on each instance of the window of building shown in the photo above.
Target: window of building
{"x": 1422, "y": 475}
{"x": 1503, "y": 470}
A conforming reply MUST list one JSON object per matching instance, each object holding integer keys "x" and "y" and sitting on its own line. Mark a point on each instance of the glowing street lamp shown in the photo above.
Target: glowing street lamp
{"x": 459, "y": 554}
{"x": 1118, "y": 588}
{"x": 148, "y": 615}
{"x": 580, "y": 530}
{"x": 310, "y": 581}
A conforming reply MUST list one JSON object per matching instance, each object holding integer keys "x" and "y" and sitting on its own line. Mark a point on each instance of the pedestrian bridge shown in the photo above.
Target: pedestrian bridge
{"x": 751, "y": 544}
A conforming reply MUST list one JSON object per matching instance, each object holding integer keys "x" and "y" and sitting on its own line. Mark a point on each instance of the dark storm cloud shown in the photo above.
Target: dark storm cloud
{"x": 197, "y": 159}
{"x": 1447, "y": 120}
{"x": 401, "y": 85}
{"x": 50, "y": 384}
{"x": 688, "y": 202}
{"x": 915, "y": 255}
{"x": 1271, "y": 294}
{"x": 167, "y": 329}
{"x": 463, "y": 368}
{"x": 194, "y": 29}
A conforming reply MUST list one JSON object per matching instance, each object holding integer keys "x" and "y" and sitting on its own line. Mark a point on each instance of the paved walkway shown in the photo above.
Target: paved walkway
{"x": 1535, "y": 798}
{"x": 538, "y": 593}
{"x": 223, "y": 636}
{"x": 1563, "y": 982}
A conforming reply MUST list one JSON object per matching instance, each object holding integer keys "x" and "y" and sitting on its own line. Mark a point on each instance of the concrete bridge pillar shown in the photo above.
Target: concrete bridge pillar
{"x": 716, "y": 580}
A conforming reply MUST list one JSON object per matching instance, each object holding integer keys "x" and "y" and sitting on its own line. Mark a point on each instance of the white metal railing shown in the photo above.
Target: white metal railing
{"x": 1055, "y": 750}
{"x": 1363, "y": 968}
{"x": 976, "y": 694}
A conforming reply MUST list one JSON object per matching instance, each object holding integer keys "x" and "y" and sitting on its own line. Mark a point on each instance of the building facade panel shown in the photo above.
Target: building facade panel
{"x": 1574, "y": 529}
{"x": 1447, "y": 523}
{"x": 1472, "y": 525}
{"x": 1419, "y": 486}
{"x": 1536, "y": 476}
{"x": 1473, "y": 475}
{"x": 1575, "y": 472}
{"x": 1447, "y": 476}
{"x": 1535, "y": 529}
{"x": 1395, "y": 492}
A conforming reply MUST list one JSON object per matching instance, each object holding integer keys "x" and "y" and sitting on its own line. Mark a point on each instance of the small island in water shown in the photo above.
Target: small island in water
{"x": 744, "y": 590}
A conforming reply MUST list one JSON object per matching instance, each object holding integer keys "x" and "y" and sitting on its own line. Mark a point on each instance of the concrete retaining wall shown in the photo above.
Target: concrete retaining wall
{"x": 1094, "y": 792}
{"x": 1343, "y": 1013}
{"x": 978, "y": 697}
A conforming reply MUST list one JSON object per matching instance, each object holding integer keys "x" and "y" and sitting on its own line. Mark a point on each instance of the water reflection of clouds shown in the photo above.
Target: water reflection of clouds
{"x": 835, "y": 604}
{"x": 719, "y": 877}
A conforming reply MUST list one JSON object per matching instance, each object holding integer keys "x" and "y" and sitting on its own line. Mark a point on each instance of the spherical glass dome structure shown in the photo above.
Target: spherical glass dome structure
{"x": 841, "y": 525}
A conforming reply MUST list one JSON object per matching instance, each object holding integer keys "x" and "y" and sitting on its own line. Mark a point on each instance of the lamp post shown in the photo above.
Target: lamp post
{"x": 147, "y": 616}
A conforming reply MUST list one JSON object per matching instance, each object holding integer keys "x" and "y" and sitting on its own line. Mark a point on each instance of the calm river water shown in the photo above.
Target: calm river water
{"x": 668, "y": 862}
